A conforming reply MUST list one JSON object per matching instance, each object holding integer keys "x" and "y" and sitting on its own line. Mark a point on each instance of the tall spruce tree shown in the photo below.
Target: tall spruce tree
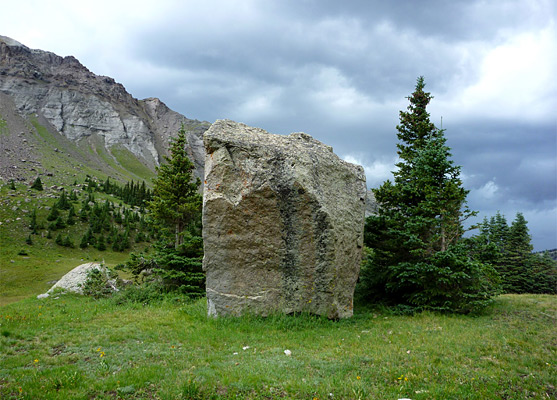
{"x": 417, "y": 257}
{"x": 176, "y": 203}
{"x": 176, "y": 214}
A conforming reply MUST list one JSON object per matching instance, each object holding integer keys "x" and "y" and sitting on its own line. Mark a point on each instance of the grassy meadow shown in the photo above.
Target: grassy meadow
{"x": 70, "y": 347}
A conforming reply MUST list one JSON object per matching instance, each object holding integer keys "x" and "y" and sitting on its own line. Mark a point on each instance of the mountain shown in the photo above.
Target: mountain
{"x": 57, "y": 117}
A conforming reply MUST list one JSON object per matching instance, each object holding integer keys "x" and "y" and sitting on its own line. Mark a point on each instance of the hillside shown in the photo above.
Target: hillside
{"x": 67, "y": 126}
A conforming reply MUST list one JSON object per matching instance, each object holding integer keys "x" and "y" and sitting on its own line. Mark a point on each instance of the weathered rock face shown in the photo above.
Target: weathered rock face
{"x": 371, "y": 204}
{"x": 283, "y": 221}
{"x": 79, "y": 104}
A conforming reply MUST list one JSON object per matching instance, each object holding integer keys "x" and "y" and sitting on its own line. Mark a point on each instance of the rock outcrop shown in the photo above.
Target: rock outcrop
{"x": 74, "y": 280}
{"x": 283, "y": 221}
{"x": 83, "y": 106}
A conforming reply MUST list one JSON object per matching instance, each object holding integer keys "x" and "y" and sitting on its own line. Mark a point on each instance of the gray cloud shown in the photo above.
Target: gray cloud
{"x": 340, "y": 71}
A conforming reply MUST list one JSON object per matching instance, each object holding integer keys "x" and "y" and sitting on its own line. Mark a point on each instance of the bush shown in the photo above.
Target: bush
{"x": 146, "y": 293}
{"x": 100, "y": 283}
{"x": 174, "y": 270}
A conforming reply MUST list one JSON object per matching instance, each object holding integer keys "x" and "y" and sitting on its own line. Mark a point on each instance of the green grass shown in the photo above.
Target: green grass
{"x": 130, "y": 162}
{"x": 75, "y": 347}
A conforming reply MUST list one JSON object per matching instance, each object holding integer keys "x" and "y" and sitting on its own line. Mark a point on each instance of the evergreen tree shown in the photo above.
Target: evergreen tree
{"x": 53, "y": 214}
{"x": 544, "y": 274}
{"x": 71, "y": 216}
{"x": 37, "y": 184}
{"x": 59, "y": 223}
{"x": 101, "y": 245}
{"x": 59, "y": 241}
{"x": 176, "y": 203}
{"x": 12, "y": 185}
{"x": 63, "y": 202}
{"x": 418, "y": 257}
{"x": 518, "y": 257}
{"x": 33, "y": 224}
{"x": 29, "y": 240}
{"x": 498, "y": 233}
{"x": 175, "y": 211}
{"x": 84, "y": 241}
{"x": 67, "y": 242}
{"x": 117, "y": 217}
{"x": 84, "y": 213}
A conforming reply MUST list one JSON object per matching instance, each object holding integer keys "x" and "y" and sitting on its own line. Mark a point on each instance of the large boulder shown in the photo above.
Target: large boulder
{"x": 283, "y": 221}
{"x": 74, "y": 280}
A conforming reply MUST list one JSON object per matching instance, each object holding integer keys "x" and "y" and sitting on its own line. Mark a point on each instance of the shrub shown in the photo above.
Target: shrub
{"x": 100, "y": 283}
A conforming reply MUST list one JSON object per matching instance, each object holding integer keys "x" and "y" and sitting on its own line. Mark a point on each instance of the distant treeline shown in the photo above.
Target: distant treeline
{"x": 132, "y": 193}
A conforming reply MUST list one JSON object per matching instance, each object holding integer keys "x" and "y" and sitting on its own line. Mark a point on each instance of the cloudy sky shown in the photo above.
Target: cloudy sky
{"x": 340, "y": 71}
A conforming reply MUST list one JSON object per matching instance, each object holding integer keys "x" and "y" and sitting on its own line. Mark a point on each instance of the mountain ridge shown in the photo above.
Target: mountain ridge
{"x": 89, "y": 110}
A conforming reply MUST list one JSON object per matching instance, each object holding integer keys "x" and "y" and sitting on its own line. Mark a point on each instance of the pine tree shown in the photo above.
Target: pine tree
{"x": 33, "y": 223}
{"x": 53, "y": 214}
{"x": 67, "y": 242}
{"x": 101, "y": 245}
{"x": 175, "y": 211}
{"x": 84, "y": 214}
{"x": 499, "y": 232}
{"x": 84, "y": 241}
{"x": 544, "y": 274}
{"x": 71, "y": 216}
{"x": 63, "y": 202}
{"x": 418, "y": 257}
{"x": 60, "y": 223}
{"x": 37, "y": 184}
{"x": 12, "y": 185}
{"x": 176, "y": 203}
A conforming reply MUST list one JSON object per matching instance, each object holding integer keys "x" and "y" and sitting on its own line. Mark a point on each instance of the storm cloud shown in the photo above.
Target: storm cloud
{"x": 341, "y": 72}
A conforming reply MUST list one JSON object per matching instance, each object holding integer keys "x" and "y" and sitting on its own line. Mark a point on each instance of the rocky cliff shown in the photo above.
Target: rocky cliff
{"x": 84, "y": 107}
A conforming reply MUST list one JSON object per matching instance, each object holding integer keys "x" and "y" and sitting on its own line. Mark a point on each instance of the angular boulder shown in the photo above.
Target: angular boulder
{"x": 283, "y": 222}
